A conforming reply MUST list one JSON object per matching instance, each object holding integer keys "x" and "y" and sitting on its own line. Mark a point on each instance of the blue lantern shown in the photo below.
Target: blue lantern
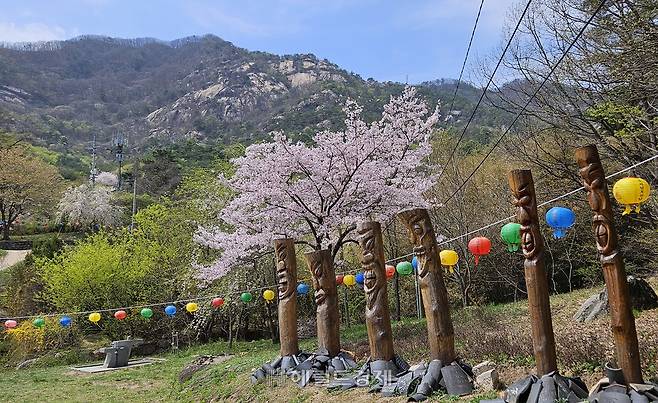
{"x": 560, "y": 219}
{"x": 170, "y": 310}
{"x": 360, "y": 278}
{"x": 302, "y": 288}
{"x": 414, "y": 263}
{"x": 65, "y": 321}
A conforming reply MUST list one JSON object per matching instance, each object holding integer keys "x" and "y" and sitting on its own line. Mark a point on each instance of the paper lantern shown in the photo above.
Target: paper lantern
{"x": 217, "y": 302}
{"x": 449, "y": 258}
{"x": 479, "y": 246}
{"x": 268, "y": 295}
{"x": 349, "y": 280}
{"x": 10, "y": 324}
{"x": 404, "y": 268}
{"x": 302, "y": 288}
{"x": 39, "y": 322}
{"x": 94, "y": 317}
{"x": 631, "y": 192}
{"x": 359, "y": 278}
{"x": 65, "y": 321}
{"x": 170, "y": 310}
{"x": 390, "y": 271}
{"x": 511, "y": 234}
{"x": 120, "y": 315}
{"x": 414, "y": 263}
{"x": 339, "y": 279}
{"x": 191, "y": 307}
{"x": 560, "y": 219}
{"x": 246, "y": 297}
{"x": 146, "y": 313}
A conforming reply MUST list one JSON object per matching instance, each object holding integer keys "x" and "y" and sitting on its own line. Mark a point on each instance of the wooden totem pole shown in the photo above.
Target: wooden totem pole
{"x": 286, "y": 273}
{"x": 433, "y": 290}
{"x": 321, "y": 266}
{"x": 532, "y": 243}
{"x": 621, "y": 315}
{"x": 378, "y": 319}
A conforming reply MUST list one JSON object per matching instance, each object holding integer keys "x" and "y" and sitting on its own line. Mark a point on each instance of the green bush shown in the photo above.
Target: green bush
{"x": 26, "y": 341}
{"x": 46, "y": 247}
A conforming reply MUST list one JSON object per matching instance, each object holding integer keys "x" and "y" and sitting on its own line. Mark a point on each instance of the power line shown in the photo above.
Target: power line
{"x": 486, "y": 88}
{"x": 534, "y": 94}
{"x": 468, "y": 50}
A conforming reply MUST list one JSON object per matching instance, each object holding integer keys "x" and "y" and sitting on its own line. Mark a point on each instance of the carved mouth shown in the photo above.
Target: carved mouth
{"x": 282, "y": 279}
{"x": 320, "y": 296}
{"x": 370, "y": 279}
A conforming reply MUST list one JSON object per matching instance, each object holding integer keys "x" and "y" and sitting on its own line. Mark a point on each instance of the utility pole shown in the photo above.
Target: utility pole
{"x": 94, "y": 172}
{"x": 119, "y": 143}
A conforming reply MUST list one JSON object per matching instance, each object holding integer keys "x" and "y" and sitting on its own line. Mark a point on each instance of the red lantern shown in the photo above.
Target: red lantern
{"x": 339, "y": 279}
{"x": 479, "y": 246}
{"x": 390, "y": 271}
{"x": 120, "y": 315}
{"x": 217, "y": 302}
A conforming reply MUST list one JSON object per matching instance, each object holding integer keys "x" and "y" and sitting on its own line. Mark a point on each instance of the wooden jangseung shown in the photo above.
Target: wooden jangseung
{"x": 548, "y": 385}
{"x": 383, "y": 364}
{"x": 440, "y": 331}
{"x": 614, "y": 273}
{"x": 286, "y": 277}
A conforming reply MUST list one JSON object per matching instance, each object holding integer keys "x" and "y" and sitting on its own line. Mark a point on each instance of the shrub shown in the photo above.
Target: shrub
{"x": 26, "y": 341}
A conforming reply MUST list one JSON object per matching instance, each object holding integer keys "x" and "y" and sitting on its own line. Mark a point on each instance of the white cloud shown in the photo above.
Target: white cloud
{"x": 31, "y": 32}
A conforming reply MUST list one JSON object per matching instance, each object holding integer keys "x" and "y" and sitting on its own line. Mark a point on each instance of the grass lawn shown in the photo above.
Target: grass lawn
{"x": 3, "y": 253}
{"x": 497, "y": 332}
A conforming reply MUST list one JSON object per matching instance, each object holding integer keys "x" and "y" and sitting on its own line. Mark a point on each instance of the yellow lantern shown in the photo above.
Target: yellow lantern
{"x": 94, "y": 317}
{"x": 349, "y": 280}
{"x": 631, "y": 192}
{"x": 191, "y": 307}
{"x": 449, "y": 258}
{"x": 268, "y": 295}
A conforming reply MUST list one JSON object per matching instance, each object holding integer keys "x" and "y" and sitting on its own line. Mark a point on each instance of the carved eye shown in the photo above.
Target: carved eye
{"x": 369, "y": 243}
{"x": 318, "y": 271}
{"x": 418, "y": 229}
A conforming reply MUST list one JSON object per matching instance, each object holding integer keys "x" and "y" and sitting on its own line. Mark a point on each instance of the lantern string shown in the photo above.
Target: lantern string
{"x": 397, "y": 258}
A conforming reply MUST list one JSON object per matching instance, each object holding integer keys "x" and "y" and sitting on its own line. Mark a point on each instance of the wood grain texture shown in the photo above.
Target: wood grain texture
{"x": 532, "y": 243}
{"x": 286, "y": 274}
{"x": 440, "y": 331}
{"x": 323, "y": 274}
{"x": 378, "y": 317}
{"x": 605, "y": 233}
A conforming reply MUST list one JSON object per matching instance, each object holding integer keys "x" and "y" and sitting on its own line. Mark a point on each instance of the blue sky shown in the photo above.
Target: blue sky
{"x": 385, "y": 40}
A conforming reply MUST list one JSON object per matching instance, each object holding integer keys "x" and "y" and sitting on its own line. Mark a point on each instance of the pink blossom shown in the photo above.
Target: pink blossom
{"x": 316, "y": 193}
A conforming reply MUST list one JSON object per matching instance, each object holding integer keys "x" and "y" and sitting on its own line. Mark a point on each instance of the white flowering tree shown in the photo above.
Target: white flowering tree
{"x": 88, "y": 206}
{"x": 107, "y": 179}
{"x": 316, "y": 192}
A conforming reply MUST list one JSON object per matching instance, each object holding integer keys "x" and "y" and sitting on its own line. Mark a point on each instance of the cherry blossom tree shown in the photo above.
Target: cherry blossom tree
{"x": 107, "y": 179}
{"x": 88, "y": 205}
{"x": 316, "y": 192}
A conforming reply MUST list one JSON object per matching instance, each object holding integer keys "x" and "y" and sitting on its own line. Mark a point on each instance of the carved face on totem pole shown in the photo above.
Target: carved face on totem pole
{"x": 284, "y": 276}
{"x": 324, "y": 281}
{"x": 524, "y": 194}
{"x": 423, "y": 238}
{"x": 374, "y": 272}
{"x": 595, "y": 185}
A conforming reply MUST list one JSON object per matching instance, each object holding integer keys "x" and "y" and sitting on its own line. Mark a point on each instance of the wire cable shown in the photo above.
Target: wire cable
{"x": 468, "y": 50}
{"x": 486, "y": 88}
{"x": 534, "y": 94}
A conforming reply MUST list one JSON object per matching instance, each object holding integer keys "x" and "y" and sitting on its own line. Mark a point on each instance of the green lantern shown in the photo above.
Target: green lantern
{"x": 246, "y": 297}
{"x": 146, "y": 313}
{"x": 404, "y": 268}
{"x": 39, "y": 322}
{"x": 511, "y": 234}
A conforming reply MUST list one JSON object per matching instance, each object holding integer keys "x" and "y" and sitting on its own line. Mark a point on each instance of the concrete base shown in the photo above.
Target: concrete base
{"x": 95, "y": 368}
